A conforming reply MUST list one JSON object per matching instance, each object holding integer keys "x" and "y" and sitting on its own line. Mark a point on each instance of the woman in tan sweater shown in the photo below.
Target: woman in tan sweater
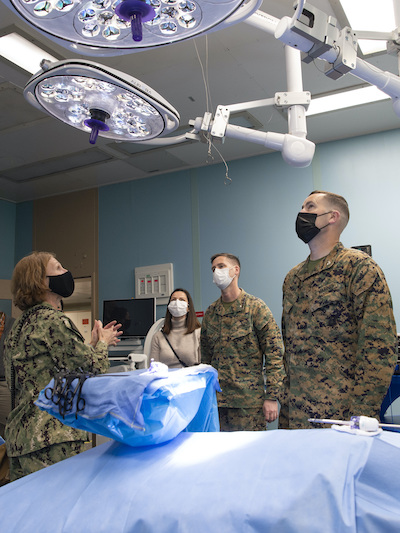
{"x": 178, "y": 343}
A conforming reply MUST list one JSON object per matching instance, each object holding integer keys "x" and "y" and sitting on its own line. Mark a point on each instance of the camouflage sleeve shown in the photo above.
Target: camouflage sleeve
{"x": 270, "y": 342}
{"x": 377, "y": 338}
{"x": 283, "y": 330}
{"x": 283, "y": 323}
{"x": 67, "y": 348}
{"x": 205, "y": 344}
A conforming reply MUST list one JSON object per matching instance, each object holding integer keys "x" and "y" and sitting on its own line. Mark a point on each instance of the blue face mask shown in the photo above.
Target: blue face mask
{"x": 63, "y": 284}
{"x": 305, "y": 226}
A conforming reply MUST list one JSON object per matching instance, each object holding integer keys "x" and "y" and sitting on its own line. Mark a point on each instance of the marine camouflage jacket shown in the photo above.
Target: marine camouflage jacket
{"x": 340, "y": 337}
{"x": 235, "y": 342}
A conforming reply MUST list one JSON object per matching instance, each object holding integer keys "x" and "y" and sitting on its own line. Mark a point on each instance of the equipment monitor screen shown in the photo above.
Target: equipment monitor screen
{"x": 136, "y": 315}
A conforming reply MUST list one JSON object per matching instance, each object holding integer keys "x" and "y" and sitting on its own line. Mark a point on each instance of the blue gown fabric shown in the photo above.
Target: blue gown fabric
{"x": 281, "y": 481}
{"x": 144, "y": 407}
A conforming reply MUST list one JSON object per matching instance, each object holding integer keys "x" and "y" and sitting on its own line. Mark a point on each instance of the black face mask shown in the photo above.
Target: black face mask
{"x": 305, "y": 226}
{"x": 63, "y": 284}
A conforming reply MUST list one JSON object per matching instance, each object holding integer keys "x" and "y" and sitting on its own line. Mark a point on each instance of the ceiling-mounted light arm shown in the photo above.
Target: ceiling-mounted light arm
{"x": 295, "y": 100}
{"x": 296, "y": 151}
{"x": 282, "y": 100}
{"x": 322, "y": 39}
{"x": 263, "y": 21}
{"x": 296, "y": 110}
{"x": 171, "y": 141}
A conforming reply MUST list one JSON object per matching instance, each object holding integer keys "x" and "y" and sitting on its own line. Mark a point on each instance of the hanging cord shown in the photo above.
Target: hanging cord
{"x": 204, "y": 73}
{"x": 210, "y": 144}
{"x": 227, "y": 180}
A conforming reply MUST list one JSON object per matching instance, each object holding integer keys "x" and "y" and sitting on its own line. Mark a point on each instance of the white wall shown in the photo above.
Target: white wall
{"x": 83, "y": 321}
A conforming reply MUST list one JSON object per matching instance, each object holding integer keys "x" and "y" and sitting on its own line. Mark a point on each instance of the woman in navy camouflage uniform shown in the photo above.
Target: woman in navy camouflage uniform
{"x": 43, "y": 341}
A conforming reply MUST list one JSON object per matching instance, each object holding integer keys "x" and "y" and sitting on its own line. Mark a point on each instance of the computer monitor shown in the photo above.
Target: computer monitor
{"x": 136, "y": 315}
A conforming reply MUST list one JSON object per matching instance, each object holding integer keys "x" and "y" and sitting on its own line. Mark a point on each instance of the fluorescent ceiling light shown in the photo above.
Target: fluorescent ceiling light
{"x": 370, "y": 15}
{"x": 22, "y": 52}
{"x": 345, "y": 99}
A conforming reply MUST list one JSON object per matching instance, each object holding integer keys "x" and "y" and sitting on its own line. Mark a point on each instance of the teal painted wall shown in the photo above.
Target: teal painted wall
{"x": 23, "y": 230}
{"x": 8, "y": 213}
{"x": 16, "y": 239}
{"x": 141, "y": 223}
{"x": 7, "y": 246}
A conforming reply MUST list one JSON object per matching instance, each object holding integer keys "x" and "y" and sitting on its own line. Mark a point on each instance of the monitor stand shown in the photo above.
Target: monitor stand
{"x": 126, "y": 346}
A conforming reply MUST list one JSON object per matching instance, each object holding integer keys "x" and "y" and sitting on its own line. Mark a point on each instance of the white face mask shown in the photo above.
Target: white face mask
{"x": 178, "y": 308}
{"x": 221, "y": 277}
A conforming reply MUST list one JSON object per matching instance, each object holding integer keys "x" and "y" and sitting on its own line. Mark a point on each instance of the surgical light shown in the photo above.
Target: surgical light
{"x": 101, "y": 101}
{"x": 107, "y": 27}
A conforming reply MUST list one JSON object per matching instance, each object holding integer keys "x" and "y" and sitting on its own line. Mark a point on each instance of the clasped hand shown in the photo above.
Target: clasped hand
{"x": 108, "y": 334}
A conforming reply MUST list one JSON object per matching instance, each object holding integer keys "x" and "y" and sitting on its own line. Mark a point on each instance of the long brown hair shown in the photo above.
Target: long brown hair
{"x": 191, "y": 319}
{"x": 28, "y": 283}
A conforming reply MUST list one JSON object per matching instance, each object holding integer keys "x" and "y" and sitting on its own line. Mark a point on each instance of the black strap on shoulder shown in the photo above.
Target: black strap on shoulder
{"x": 18, "y": 333}
{"x": 176, "y": 355}
{"x": 12, "y": 391}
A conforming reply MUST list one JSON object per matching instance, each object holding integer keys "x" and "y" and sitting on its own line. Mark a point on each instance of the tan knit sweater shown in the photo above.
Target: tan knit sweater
{"x": 186, "y": 346}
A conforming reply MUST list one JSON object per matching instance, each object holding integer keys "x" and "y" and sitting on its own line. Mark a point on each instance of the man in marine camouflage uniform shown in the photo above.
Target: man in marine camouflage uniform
{"x": 337, "y": 324}
{"x": 238, "y": 336}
